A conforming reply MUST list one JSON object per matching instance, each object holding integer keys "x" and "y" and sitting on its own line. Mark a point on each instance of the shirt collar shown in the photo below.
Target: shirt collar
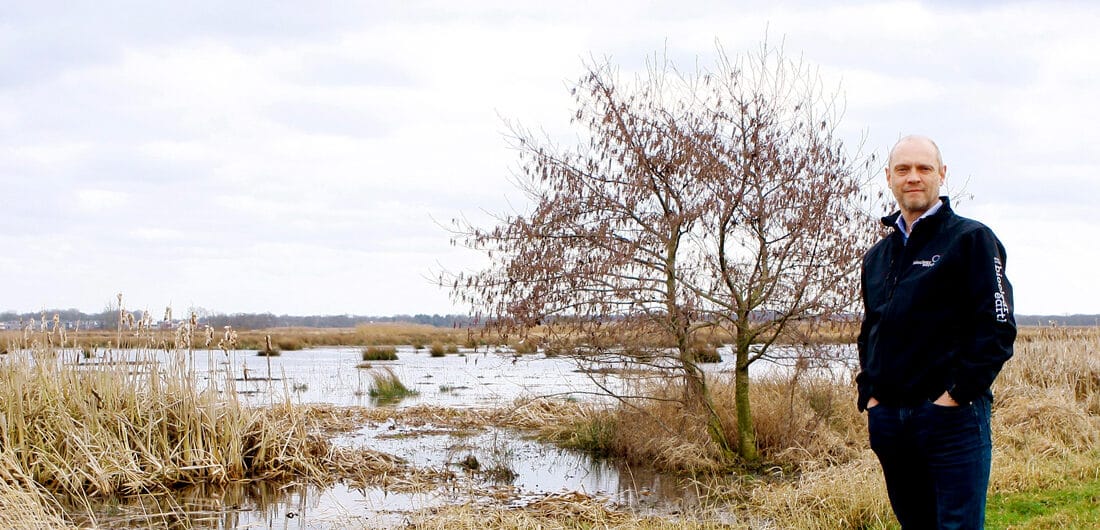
{"x": 905, "y": 231}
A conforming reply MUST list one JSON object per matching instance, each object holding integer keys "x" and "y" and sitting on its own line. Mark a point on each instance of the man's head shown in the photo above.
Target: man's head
{"x": 915, "y": 171}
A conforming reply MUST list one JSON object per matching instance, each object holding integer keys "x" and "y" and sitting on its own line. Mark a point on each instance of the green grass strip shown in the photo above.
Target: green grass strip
{"x": 1075, "y": 506}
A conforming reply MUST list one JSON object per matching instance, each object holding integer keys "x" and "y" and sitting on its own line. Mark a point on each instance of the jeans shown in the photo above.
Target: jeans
{"x": 936, "y": 462}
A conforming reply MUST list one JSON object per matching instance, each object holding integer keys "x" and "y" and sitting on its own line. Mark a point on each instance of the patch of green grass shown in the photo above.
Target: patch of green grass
{"x": 380, "y": 353}
{"x": 386, "y": 386}
{"x": 594, "y": 435}
{"x": 1074, "y": 506}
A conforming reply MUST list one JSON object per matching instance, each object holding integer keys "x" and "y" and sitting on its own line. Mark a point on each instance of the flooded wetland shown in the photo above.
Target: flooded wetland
{"x": 227, "y": 439}
{"x": 459, "y": 438}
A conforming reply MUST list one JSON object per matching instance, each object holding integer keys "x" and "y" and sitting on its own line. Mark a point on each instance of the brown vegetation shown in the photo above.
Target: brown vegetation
{"x": 818, "y": 470}
{"x": 120, "y": 428}
{"x": 284, "y": 339}
{"x": 76, "y": 433}
{"x": 73, "y": 431}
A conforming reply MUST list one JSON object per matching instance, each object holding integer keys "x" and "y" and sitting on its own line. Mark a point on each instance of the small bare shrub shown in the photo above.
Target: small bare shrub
{"x": 526, "y": 346}
{"x": 437, "y": 350}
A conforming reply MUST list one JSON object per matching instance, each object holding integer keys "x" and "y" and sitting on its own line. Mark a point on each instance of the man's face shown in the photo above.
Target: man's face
{"x": 915, "y": 175}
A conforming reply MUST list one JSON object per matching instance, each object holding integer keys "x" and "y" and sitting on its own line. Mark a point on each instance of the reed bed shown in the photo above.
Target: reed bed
{"x": 75, "y": 431}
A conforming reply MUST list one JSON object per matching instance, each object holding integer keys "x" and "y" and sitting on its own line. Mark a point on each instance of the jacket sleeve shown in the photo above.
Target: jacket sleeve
{"x": 862, "y": 384}
{"x": 992, "y": 325}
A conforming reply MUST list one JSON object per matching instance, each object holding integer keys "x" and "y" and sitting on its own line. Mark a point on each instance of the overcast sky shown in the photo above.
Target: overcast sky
{"x": 301, "y": 157}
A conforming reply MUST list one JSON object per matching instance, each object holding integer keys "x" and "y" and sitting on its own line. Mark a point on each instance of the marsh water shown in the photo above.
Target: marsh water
{"x": 471, "y": 378}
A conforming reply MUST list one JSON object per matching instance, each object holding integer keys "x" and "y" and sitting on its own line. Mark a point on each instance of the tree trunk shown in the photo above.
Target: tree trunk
{"x": 746, "y": 435}
{"x": 698, "y": 395}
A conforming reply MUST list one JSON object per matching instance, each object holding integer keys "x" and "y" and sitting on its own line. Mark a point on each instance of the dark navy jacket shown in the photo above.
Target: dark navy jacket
{"x": 938, "y": 312}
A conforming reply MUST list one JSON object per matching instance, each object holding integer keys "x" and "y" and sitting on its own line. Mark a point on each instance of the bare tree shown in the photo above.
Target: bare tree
{"x": 717, "y": 199}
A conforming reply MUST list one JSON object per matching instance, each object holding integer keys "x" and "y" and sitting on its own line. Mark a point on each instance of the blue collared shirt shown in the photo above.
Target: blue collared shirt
{"x": 901, "y": 220}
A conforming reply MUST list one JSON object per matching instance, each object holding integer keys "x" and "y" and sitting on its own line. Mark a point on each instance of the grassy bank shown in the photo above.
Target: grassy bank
{"x": 1074, "y": 505}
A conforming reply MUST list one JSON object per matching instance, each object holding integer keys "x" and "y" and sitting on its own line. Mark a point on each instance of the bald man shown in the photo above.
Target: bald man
{"x": 937, "y": 328}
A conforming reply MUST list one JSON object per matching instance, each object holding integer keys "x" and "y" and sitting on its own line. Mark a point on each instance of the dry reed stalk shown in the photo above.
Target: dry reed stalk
{"x": 361, "y": 468}
{"x": 22, "y": 508}
{"x": 559, "y": 511}
{"x": 23, "y": 503}
{"x": 333, "y": 419}
{"x": 545, "y": 415}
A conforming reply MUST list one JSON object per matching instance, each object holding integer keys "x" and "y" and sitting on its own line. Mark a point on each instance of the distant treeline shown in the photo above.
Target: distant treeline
{"x": 268, "y": 320}
{"x": 1058, "y": 320}
{"x": 108, "y": 320}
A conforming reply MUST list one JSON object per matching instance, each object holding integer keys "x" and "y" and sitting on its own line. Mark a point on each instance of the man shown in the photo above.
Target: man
{"x": 937, "y": 328}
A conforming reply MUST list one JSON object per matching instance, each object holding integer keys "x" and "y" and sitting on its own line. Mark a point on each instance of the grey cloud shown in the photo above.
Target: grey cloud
{"x": 41, "y": 40}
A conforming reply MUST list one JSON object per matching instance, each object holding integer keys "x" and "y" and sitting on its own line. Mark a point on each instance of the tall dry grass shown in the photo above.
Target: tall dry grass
{"x": 1046, "y": 418}
{"x": 72, "y": 432}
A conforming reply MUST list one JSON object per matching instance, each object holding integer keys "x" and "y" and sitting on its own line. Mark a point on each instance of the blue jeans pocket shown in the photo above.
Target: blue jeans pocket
{"x": 953, "y": 431}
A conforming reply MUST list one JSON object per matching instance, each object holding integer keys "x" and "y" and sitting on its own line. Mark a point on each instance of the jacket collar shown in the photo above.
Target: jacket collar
{"x": 944, "y": 212}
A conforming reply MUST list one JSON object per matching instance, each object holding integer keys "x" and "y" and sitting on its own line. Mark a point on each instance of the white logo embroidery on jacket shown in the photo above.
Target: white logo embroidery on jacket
{"x": 1000, "y": 303}
{"x": 927, "y": 263}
